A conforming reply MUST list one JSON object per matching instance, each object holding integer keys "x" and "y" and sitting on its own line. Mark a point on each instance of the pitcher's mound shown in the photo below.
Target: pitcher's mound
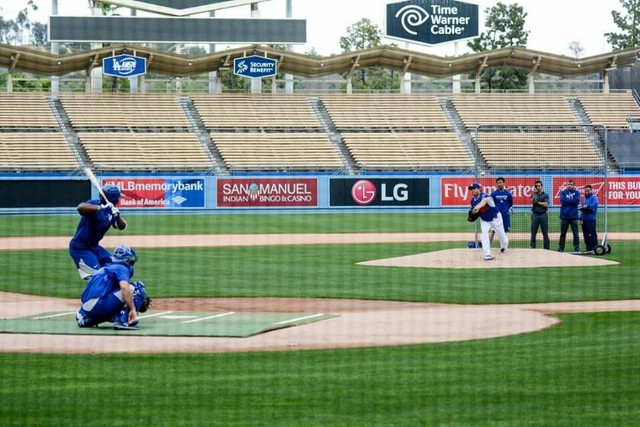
{"x": 474, "y": 258}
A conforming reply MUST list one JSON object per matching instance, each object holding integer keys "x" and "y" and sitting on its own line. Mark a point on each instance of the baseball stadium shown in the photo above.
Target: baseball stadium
{"x": 309, "y": 247}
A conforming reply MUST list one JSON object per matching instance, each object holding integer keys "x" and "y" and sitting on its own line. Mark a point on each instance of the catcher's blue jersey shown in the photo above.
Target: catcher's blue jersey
{"x": 92, "y": 228}
{"x": 106, "y": 280}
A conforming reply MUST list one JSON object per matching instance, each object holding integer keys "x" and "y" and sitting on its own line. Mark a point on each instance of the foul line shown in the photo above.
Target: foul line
{"x": 210, "y": 317}
{"x": 54, "y": 315}
{"x": 155, "y": 315}
{"x": 299, "y": 318}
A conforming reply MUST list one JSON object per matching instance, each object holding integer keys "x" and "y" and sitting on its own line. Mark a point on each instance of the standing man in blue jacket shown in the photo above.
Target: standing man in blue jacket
{"x": 569, "y": 201}
{"x": 504, "y": 203}
{"x": 589, "y": 211}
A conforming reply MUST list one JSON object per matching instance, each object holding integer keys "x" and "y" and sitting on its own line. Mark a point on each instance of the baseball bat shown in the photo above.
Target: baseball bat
{"x": 89, "y": 173}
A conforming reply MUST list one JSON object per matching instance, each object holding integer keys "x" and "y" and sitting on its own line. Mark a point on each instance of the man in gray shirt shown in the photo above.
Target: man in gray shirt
{"x": 539, "y": 218}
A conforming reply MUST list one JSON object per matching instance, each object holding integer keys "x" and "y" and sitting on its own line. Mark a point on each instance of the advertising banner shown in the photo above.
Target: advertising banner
{"x": 266, "y": 192}
{"x": 159, "y": 192}
{"x": 124, "y": 66}
{"x": 619, "y": 191}
{"x": 379, "y": 192}
{"x": 255, "y": 66}
{"x": 454, "y": 190}
{"x": 431, "y": 22}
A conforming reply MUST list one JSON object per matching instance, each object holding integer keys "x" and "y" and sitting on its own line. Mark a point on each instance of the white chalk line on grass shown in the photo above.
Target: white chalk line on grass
{"x": 215, "y": 316}
{"x": 155, "y": 314}
{"x": 54, "y": 315}
{"x": 299, "y": 318}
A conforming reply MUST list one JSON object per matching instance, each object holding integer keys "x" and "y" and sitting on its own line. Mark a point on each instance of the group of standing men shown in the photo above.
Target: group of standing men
{"x": 109, "y": 296}
{"x": 495, "y": 213}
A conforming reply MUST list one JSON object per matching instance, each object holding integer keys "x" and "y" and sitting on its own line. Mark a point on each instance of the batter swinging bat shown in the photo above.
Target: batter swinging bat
{"x": 95, "y": 182}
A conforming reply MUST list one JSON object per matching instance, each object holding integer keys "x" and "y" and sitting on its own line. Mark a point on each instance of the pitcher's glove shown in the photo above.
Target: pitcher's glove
{"x": 472, "y": 216}
{"x": 145, "y": 305}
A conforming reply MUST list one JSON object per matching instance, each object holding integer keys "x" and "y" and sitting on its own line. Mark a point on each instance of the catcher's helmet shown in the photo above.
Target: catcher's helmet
{"x": 112, "y": 192}
{"x": 124, "y": 255}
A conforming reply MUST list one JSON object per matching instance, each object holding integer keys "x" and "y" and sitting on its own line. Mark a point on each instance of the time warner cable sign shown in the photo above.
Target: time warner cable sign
{"x": 431, "y": 22}
{"x": 124, "y": 66}
{"x": 255, "y": 66}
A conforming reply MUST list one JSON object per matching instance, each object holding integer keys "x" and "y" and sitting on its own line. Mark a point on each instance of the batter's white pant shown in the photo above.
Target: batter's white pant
{"x": 498, "y": 227}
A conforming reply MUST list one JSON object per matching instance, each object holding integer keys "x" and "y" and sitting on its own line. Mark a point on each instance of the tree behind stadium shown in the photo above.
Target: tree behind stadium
{"x": 505, "y": 28}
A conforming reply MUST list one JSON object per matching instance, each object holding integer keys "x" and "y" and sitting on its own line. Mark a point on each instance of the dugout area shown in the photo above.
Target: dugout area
{"x": 167, "y": 323}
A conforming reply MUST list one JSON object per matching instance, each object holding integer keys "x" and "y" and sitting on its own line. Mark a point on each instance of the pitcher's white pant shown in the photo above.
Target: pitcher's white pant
{"x": 497, "y": 226}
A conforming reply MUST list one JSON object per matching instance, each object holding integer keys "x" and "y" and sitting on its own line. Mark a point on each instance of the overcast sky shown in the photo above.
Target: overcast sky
{"x": 553, "y": 24}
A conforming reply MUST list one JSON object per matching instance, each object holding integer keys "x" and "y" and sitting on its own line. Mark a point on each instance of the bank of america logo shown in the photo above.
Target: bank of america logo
{"x": 178, "y": 200}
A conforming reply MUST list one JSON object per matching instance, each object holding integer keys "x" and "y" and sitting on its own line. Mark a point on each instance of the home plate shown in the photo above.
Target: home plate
{"x": 474, "y": 258}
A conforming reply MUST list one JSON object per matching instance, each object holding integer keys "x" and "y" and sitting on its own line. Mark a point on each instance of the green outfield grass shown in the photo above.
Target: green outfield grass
{"x": 582, "y": 372}
{"x": 64, "y": 225}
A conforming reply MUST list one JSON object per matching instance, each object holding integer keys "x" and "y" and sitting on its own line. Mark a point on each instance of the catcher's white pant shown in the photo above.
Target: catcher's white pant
{"x": 498, "y": 227}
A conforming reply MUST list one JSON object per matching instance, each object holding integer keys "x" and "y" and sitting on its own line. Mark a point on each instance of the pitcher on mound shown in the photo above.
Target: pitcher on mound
{"x": 490, "y": 219}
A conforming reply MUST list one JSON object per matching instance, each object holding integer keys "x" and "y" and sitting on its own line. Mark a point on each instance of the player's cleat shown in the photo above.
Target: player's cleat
{"x": 489, "y": 258}
{"x": 503, "y": 250}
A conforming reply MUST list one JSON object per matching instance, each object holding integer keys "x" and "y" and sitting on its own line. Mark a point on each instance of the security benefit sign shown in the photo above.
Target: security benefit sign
{"x": 124, "y": 66}
{"x": 379, "y": 192}
{"x": 266, "y": 192}
{"x": 255, "y": 66}
{"x": 431, "y": 22}
{"x": 160, "y": 193}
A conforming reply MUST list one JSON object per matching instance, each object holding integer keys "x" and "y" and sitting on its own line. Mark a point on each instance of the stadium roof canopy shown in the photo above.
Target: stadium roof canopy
{"x": 19, "y": 58}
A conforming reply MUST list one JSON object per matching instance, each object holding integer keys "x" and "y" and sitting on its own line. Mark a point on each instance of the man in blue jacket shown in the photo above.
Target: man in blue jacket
{"x": 504, "y": 203}
{"x": 569, "y": 201}
{"x": 589, "y": 211}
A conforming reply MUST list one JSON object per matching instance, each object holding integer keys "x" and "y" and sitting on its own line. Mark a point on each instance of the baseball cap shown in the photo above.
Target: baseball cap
{"x": 474, "y": 185}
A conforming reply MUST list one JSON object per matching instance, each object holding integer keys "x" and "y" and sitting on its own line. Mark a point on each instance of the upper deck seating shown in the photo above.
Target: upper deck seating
{"x": 388, "y": 111}
{"x": 277, "y": 151}
{"x": 408, "y": 151}
{"x": 609, "y": 109}
{"x": 36, "y": 151}
{"x": 121, "y": 110}
{"x": 26, "y": 110}
{"x": 275, "y": 111}
{"x": 145, "y": 151}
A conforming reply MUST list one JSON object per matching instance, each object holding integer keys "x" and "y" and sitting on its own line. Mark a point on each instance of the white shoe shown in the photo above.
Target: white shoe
{"x": 489, "y": 258}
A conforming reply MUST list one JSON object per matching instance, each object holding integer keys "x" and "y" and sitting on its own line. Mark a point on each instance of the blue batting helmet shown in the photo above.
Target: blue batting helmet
{"x": 124, "y": 255}
{"x": 112, "y": 192}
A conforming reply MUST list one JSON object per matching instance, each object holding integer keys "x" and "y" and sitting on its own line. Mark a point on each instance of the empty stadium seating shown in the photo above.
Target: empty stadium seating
{"x": 36, "y": 152}
{"x": 277, "y": 151}
{"x": 26, "y": 110}
{"x": 408, "y": 151}
{"x": 512, "y": 108}
{"x": 105, "y": 110}
{"x": 538, "y": 151}
{"x": 121, "y": 151}
{"x": 386, "y": 111}
{"x": 234, "y": 111}
{"x": 609, "y": 109}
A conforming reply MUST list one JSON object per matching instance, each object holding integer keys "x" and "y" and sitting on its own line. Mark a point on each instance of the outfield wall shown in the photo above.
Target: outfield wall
{"x": 401, "y": 192}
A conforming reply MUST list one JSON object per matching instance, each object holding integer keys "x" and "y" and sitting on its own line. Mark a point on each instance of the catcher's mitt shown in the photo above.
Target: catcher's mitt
{"x": 472, "y": 216}
{"x": 145, "y": 305}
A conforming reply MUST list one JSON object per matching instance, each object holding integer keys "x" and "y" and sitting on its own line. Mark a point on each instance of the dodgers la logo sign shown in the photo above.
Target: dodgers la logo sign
{"x": 255, "y": 66}
{"x": 124, "y": 66}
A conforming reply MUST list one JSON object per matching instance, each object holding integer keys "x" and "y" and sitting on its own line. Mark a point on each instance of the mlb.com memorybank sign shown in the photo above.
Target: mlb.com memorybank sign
{"x": 431, "y": 22}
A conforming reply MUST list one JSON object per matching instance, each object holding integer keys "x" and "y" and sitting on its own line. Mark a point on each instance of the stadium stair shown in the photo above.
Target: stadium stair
{"x": 203, "y": 136}
{"x": 334, "y": 136}
{"x": 69, "y": 133}
{"x": 464, "y": 136}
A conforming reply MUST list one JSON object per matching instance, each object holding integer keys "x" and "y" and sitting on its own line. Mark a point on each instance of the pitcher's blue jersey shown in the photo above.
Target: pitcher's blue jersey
{"x": 92, "y": 228}
{"x": 488, "y": 212}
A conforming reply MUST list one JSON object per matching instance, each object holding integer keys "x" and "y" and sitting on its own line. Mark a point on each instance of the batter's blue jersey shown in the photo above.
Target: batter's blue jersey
{"x": 503, "y": 200}
{"x": 106, "y": 280}
{"x": 92, "y": 227}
